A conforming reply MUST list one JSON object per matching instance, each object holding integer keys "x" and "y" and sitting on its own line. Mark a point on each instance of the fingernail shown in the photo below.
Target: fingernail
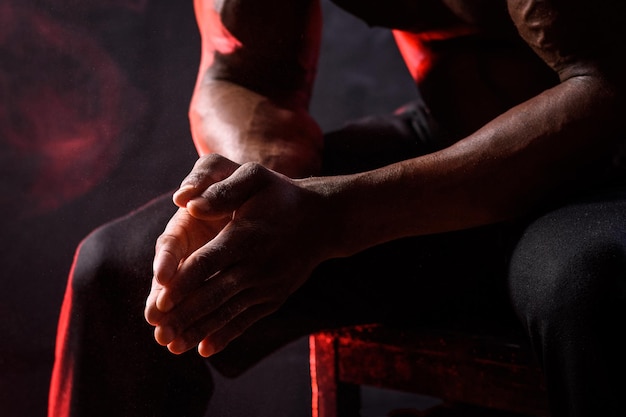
{"x": 180, "y": 196}
{"x": 205, "y": 349}
{"x": 183, "y": 189}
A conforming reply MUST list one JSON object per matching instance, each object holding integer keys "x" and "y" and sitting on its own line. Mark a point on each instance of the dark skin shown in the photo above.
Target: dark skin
{"x": 254, "y": 220}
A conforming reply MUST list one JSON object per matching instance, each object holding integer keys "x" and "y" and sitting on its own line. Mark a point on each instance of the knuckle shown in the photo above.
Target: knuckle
{"x": 253, "y": 169}
{"x": 218, "y": 191}
{"x": 207, "y": 159}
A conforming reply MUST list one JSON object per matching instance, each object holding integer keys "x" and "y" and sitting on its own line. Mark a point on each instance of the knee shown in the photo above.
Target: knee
{"x": 566, "y": 272}
{"x": 113, "y": 264}
{"x": 93, "y": 258}
{"x": 109, "y": 267}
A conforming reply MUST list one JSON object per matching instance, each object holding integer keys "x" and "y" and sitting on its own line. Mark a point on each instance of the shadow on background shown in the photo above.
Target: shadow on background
{"x": 93, "y": 124}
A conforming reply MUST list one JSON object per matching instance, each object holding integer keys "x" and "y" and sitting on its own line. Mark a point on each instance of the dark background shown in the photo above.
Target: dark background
{"x": 93, "y": 124}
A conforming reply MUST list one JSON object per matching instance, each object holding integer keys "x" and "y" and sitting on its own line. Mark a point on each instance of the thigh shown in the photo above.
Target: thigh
{"x": 125, "y": 247}
{"x": 107, "y": 359}
{"x": 575, "y": 251}
{"x": 568, "y": 286}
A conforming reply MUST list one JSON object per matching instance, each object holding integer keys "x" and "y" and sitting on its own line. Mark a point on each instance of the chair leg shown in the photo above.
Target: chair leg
{"x": 330, "y": 398}
{"x": 322, "y": 364}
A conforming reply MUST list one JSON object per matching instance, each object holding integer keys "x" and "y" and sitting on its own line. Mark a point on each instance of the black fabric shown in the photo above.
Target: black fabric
{"x": 567, "y": 281}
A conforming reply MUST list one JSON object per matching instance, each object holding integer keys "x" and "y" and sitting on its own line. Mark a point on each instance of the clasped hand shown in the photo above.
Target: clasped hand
{"x": 243, "y": 240}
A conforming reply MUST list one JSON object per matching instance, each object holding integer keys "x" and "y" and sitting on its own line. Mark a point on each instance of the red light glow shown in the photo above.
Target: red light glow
{"x": 414, "y": 47}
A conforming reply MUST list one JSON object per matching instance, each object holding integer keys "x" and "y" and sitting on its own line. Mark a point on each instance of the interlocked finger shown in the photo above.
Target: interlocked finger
{"x": 205, "y": 325}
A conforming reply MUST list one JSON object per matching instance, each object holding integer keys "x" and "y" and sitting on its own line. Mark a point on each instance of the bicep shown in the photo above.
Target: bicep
{"x": 269, "y": 46}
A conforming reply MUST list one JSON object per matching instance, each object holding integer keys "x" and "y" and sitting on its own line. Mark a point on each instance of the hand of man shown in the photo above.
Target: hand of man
{"x": 244, "y": 239}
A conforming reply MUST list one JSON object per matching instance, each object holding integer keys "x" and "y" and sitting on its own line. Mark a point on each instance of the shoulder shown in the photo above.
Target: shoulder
{"x": 569, "y": 34}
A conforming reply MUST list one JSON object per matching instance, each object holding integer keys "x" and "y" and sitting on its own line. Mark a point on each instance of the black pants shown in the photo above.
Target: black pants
{"x": 562, "y": 274}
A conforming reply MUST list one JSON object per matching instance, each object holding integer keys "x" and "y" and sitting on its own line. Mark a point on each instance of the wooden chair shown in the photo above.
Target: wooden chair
{"x": 486, "y": 369}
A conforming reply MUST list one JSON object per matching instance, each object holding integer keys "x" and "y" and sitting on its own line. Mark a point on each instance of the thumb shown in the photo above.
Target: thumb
{"x": 207, "y": 170}
{"x": 224, "y": 197}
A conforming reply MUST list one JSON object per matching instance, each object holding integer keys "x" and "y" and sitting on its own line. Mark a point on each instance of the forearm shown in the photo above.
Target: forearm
{"x": 500, "y": 172}
{"x": 248, "y": 127}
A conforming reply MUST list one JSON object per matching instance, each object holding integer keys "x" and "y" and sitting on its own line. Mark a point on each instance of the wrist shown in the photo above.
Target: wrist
{"x": 366, "y": 209}
{"x": 337, "y": 216}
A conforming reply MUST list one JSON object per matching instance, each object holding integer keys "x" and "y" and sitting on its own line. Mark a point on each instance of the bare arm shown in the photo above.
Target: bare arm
{"x": 254, "y": 84}
{"x": 516, "y": 160}
{"x": 250, "y": 104}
